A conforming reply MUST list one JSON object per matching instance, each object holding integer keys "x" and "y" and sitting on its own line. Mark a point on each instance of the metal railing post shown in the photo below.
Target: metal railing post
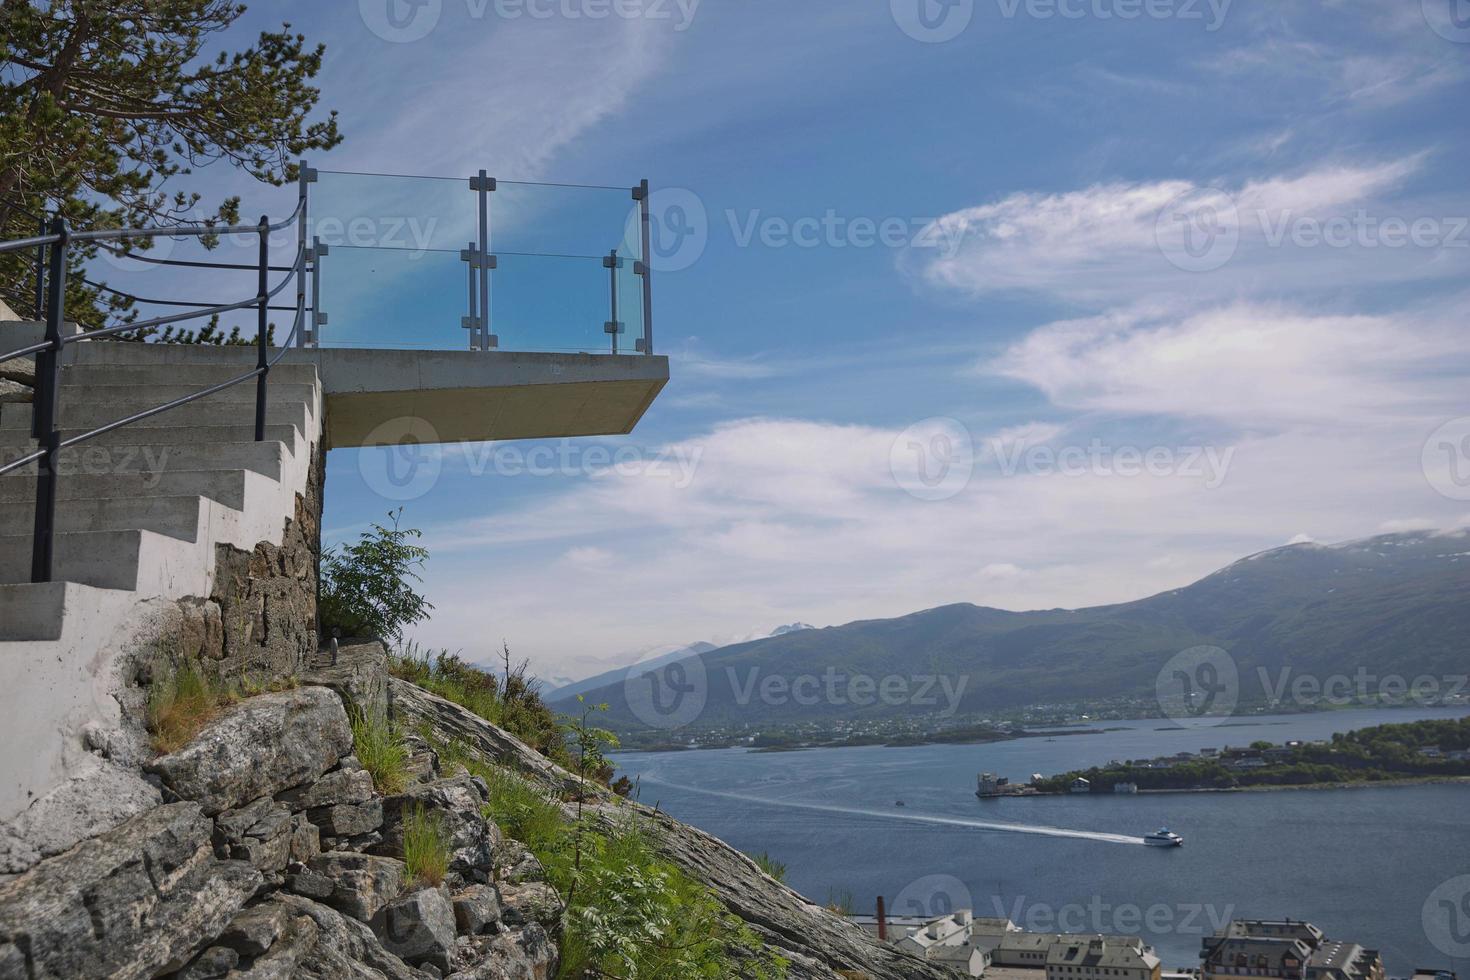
{"x": 307, "y": 176}
{"x": 645, "y": 267}
{"x": 41, "y": 274}
{"x": 485, "y": 184}
{"x": 318, "y": 316}
{"x": 612, "y": 326}
{"x": 262, "y": 363}
{"x": 43, "y": 419}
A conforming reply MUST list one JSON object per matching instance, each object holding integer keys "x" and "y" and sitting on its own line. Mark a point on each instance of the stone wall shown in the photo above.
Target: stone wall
{"x": 259, "y": 621}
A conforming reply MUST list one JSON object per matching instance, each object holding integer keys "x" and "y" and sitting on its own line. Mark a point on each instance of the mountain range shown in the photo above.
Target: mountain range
{"x": 1394, "y": 604}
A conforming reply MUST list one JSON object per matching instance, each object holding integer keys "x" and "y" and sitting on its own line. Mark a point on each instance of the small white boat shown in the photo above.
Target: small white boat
{"x": 1164, "y": 839}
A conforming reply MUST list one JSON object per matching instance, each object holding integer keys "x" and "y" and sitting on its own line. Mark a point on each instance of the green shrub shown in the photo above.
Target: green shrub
{"x": 381, "y": 752}
{"x": 425, "y": 847}
{"x": 367, "y": 588}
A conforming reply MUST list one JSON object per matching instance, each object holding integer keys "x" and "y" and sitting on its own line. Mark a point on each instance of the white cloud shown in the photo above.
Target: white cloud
{"x": 1113, "y": 242}
{"x": 1249, "y": 364}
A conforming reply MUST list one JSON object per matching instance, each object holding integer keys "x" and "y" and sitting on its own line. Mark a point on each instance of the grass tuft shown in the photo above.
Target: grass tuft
{"x": 180, "y": 703}
{"x": 776, "y": 869}
{"x": 425, "y": 847}
{"x": 381, "y": 752}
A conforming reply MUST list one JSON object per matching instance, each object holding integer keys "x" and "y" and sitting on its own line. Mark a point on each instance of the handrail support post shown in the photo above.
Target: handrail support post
{"x": 262, "y": 363}
{"x": 43, "y": 418}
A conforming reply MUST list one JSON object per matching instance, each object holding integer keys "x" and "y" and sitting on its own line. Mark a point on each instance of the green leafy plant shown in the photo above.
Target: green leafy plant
{"x": 425, "y": 847}
{"x": 367, "y": 588}
{"x": 381, "y": 752}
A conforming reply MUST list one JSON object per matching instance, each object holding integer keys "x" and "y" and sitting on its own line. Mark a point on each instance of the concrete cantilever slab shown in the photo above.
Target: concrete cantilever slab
{"x": 374, "y": 396}
{"x": 478, "y": 396}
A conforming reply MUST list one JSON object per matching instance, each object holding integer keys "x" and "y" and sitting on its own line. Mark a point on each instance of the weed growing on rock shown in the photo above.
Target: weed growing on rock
{"x": 425, "y": 847}
{"x": 381, "y": 752}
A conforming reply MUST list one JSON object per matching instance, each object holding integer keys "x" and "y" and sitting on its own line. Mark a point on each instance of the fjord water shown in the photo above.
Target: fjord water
{"x": 1359, "y": 862}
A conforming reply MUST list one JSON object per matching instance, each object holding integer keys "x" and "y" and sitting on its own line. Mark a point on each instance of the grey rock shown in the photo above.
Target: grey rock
{"x": 311, "y": 884}
{"x": 297, "y": 940}
{"x": 514, "y": 862}
{"x": 15, "y": 393}
{"x": 360, "y": 675}
{"x": 348, "y": 819}
{"x": 528, "y": 954}
{"x": 344, "y": 947}
{"x": 305, "y": 839}
{"x": 458, "y": 803}
{"x": 134, "y": 902}
{"x": 362, "y": 883}
{"x": 256, "y": 929}
{"x": 21, "y": 369}
{"x": 212, "y": 964}
{"x": 534, "y": 901}
{"x": 343, "y": 785}
{"x": 265, "y": 745}
{"x": 260, "y": 833}
{"x": 476, "y": 909}
{"x": 418, "y": 928}
{"x": 95, "y": 801}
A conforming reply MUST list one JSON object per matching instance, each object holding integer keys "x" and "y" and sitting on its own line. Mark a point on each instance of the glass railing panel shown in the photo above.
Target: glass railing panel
{"x": 559, "y": 219}
{"x": 550, "y": 303}
{"x": 630, "y": 306}
{"x": 385, "y": 211}
{"x": 397, "y": 298}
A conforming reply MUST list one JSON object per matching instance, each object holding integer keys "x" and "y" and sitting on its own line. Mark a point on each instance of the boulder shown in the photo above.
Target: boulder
{"x": 533, "y": 901}
{"x": 137, "y": 901}
{"x": 256, "y": 929}
{"x": 266, "y": 744}
{"x": 295, "y": 943}
{"x": 15, "y": 393}
{"x": 348, "y": 819}
{"x": 260, "y": 833}
{"x": 306, "y": 842}
{"x": 214, "y": 963}
{"x": 418, "y": 928}
{"x": 361, "y": 883}
{"x": 19, "y": 369}
{"x": 360, "y": 675}
{"x": 476, "y": 909}
{"x": 527, "y": 954}
{"x": 349, "y": 784}
{"x": 459, "y": 803}
{"x": 344, "y": 947}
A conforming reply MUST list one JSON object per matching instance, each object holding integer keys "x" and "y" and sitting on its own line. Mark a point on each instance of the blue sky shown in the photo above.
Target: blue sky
{"x": 1026, "y": 304}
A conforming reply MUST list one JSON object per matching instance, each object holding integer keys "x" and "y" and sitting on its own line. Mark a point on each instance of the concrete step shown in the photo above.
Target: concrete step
{"x": 106, "y": 462}
{"x": 36, "y": 612}
{"x": 193, "y": 355}
{"x": 145, "y": 395}
{"x": 199, "y": 375}
{"x": 102, "y": 559}
{"x": 174, "y": 517}
{"x": 83, "y": 413}
{"x": 225, "y": 486}
{"x": 155, "y": 435}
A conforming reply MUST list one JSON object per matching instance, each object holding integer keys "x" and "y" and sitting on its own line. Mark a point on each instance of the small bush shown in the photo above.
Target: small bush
{"x": 381, "y": 752}
{"x": 181, "y": 701}
{"x": 367, "y": 588}
{"x": 425, "y": 847}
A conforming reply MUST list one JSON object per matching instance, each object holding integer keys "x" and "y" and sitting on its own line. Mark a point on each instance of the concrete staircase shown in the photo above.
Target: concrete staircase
{"x": 139, "y": 515}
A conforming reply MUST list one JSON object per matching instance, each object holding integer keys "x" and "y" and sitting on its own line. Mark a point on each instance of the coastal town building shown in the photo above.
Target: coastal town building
{"x": 1287, "y": 949}
{"x": 1101, "y": 958}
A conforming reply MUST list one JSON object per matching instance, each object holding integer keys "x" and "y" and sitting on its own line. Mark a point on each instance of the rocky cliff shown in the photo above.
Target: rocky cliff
{"x": 271, "y": 854}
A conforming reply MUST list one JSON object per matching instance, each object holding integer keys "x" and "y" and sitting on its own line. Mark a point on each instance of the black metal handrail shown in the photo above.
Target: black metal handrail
{"x": 51, "y": 280}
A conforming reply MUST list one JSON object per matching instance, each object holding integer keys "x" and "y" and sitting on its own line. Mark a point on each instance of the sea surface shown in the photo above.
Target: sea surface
{"x": 1361, "y": 863}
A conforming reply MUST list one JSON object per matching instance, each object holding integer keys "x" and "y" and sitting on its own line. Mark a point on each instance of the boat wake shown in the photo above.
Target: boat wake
{"x": 1041, "y": 830}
